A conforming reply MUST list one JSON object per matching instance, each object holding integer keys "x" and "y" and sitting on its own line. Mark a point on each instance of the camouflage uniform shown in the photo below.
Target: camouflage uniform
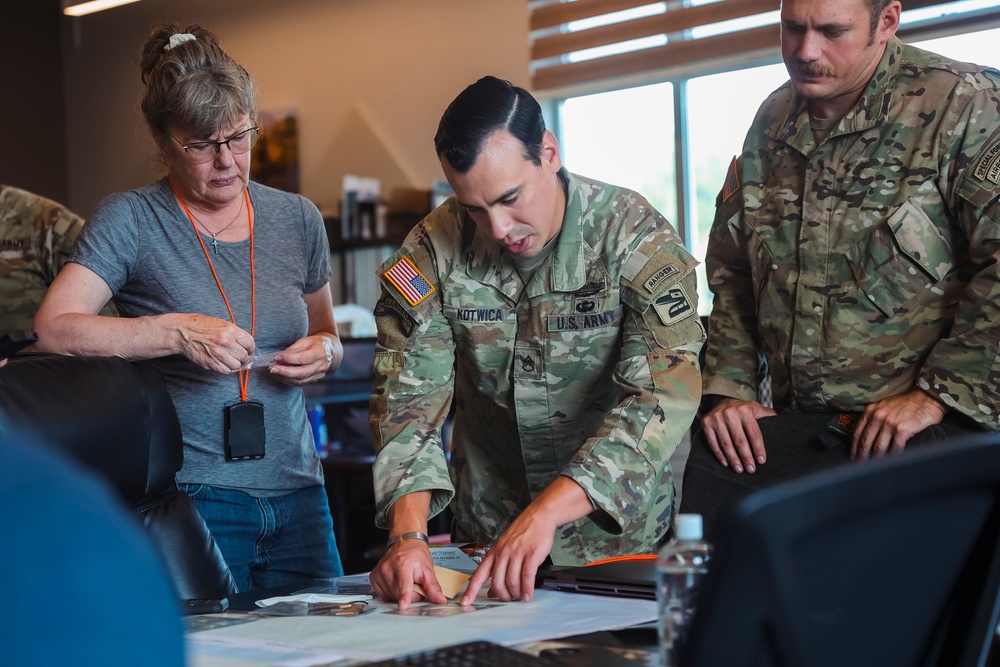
{"x": 866, "y": 266}
{"x": 36, "y": 236}
{"x": 591, "y": 373}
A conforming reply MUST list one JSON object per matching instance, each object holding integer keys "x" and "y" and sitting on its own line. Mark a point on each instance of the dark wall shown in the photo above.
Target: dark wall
{"x": 32, "y": 126}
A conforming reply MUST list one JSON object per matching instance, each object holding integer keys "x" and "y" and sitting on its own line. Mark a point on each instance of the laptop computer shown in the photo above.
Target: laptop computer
{"x": 633, "y": 578}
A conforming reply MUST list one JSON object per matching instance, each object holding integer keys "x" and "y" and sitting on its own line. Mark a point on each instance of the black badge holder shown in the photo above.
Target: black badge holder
{"x": 245, "y": 431}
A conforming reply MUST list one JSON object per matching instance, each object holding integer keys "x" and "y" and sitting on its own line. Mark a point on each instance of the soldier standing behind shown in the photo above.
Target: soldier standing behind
{"x": 560, "y": 315}
{"x": 36, "y": 237}
{"x": 855, "y": 252}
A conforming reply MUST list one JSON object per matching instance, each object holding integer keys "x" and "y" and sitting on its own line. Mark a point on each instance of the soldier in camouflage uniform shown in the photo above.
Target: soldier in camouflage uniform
{"x": 36, "y": 237}
{"x": 560, "y": 315}
{"x": 856, "y": 244}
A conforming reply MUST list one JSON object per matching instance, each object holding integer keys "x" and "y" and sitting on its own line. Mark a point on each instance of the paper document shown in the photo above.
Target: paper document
{"x": 380, "y": 635}
{"x": 451, "y": 582}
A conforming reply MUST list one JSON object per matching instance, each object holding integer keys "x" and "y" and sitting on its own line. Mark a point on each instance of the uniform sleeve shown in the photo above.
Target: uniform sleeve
{"x": 732, "y": 361}
{"x": 413, "y": 385}
{"x": 61, "y": 228}
{"x": 963, "y": 370}
{"x": 659, "y": 384}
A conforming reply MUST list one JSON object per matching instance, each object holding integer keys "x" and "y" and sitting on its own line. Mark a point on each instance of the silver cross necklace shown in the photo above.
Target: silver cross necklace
{"x": 215, "y": 241}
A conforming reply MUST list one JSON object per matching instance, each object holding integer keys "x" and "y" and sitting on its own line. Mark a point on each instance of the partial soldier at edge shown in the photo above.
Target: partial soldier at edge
{"x": 854, "y": 258}
{"x": 36, "y": 238}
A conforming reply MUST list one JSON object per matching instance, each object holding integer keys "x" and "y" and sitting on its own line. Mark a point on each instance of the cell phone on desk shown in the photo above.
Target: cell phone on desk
{"x": 16, "y": 341}
{"x": 216, "y": 606}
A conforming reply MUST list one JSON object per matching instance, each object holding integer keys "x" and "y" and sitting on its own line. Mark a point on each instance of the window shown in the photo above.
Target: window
{"x": 625, "y": 137}
{"x": 976, "y": 47}
{"x": 633, "y": 136}
{"x": 720, "y": 109}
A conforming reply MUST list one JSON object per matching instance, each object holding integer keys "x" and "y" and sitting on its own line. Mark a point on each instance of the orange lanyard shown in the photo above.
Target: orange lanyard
{"x": 244, "y": 374}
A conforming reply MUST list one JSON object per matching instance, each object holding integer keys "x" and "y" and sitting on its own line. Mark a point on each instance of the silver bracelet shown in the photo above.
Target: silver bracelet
{"x": 412, "y": 535}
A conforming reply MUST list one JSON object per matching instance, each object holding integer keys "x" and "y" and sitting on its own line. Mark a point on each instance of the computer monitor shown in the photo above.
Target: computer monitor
{"x": 892, "y": 562}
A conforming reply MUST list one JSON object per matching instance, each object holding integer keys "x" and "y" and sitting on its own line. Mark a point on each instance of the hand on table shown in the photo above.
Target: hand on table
{"x": 405, "y": 563}
{"x": 513, "y": 561}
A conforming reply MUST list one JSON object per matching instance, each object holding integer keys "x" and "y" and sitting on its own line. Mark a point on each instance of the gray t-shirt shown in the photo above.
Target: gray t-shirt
{"x": 144, "y": 247}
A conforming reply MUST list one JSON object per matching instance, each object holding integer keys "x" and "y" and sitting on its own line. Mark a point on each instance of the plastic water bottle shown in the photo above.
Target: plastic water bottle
{"x": 681, "y": 568}
{"x": 317, "y": 421}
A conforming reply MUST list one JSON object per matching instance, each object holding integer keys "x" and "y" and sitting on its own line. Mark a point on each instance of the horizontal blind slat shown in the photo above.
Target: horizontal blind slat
{"x": 550, "y": 16}
{"x": 673, "y": 21}
{"x": 660, "y": 57}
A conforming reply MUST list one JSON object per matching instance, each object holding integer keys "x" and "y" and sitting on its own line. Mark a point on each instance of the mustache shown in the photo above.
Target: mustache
{"x": 812, "y": 69}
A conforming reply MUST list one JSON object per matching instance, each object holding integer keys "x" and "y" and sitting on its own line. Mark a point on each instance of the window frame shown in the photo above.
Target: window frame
{"x": 551, "y": 101}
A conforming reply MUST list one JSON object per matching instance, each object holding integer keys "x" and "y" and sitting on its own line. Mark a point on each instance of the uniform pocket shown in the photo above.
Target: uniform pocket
{"x": 483, "y": 341}
{"x": 761, "y": 264}
{"x": 900, "y": 260}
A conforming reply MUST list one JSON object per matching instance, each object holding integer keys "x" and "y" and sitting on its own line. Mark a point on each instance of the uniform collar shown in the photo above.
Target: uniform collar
{"x": 565, "y": 270}
{"x": 871, "y": 109}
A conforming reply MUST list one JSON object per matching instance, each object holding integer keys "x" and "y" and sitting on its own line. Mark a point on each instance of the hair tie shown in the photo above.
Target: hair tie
{"x": 179, "y": 38}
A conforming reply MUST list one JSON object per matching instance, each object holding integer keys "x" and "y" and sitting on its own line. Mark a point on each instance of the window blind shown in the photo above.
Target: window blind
{"x": 581, "y": 42}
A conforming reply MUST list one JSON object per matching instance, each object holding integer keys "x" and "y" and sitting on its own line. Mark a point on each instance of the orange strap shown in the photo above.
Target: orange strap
{"x": 616, "y": 559}
{"x": 244, "y": 374}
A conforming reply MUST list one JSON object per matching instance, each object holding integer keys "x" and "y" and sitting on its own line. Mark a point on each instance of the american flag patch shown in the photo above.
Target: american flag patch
{"x": 409, "y": 281}
{"x": 732, "y": 184}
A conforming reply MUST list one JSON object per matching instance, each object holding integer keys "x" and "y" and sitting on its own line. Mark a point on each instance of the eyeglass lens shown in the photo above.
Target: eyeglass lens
{"x": 238, "y": 143}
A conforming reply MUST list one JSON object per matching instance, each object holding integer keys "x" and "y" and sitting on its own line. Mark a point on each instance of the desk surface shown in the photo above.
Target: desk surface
{"x": 234, "y": 639}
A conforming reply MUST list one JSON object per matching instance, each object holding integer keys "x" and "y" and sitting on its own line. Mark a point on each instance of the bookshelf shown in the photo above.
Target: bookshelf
{"x": 355, "y": 260}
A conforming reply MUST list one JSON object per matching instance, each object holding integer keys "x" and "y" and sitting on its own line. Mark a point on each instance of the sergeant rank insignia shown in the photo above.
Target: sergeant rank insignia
{"x": 412, "y": 284}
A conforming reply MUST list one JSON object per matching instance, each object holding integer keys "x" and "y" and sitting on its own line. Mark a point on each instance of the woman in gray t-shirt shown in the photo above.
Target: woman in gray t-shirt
{"x": 223, "y": 285}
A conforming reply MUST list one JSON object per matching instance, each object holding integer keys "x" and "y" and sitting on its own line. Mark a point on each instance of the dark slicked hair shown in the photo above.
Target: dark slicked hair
{"x": 488, "y": 105}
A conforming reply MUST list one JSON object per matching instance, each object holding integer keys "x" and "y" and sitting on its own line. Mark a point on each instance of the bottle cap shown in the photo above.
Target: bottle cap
{"x": 687, "y": 527}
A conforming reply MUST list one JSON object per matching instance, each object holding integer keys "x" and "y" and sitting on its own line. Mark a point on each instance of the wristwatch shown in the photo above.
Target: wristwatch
{"x": 412, "y": 535}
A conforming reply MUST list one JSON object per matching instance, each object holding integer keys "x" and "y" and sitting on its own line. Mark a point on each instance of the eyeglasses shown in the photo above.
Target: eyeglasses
{"x": 205, "y": 151}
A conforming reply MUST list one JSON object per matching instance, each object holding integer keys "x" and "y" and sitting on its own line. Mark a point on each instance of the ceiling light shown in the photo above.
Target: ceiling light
{"x": 93, "y": 6}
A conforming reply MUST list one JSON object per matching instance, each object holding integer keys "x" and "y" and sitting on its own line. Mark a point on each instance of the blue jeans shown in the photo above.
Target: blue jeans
{"x": 274, "y": 541}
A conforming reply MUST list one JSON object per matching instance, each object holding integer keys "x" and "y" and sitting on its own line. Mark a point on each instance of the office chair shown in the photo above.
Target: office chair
{"x": 116, "y": 418}
{"x": 888, "y": 563}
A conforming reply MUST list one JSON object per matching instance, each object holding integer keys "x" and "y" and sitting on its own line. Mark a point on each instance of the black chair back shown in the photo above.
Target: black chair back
{"x": 116, "y": 418}
{"x": 888, "y": 563}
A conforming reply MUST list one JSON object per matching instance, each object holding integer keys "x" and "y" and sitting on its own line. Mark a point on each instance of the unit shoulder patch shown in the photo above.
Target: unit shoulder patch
{"x": 674, "y": 305}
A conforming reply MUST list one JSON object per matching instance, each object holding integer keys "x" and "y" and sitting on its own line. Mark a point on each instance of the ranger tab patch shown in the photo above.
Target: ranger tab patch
{"x": 412, "y": 284}
{"x": 657, "y": 278}
{"x": 673, "y": 306}
{"x": 732, "y": 184}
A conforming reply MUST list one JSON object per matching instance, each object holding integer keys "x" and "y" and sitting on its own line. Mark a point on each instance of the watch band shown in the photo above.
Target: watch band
{"x": 411, "y": 535}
